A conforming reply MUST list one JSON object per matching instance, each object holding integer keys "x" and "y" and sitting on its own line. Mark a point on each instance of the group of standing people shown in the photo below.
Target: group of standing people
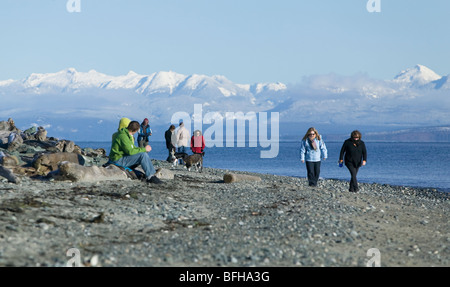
{"x": 353, "y": 154}
{"x": 179, "y": 140}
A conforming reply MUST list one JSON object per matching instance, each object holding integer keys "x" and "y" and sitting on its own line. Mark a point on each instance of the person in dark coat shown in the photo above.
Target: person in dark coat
{"x": 169, "y": 144}
{"x": 354, "y": 155}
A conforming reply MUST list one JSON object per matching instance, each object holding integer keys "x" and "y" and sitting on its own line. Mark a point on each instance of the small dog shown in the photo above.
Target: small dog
{"x": 176, "y": 156}
{"x": 194, "y": 160}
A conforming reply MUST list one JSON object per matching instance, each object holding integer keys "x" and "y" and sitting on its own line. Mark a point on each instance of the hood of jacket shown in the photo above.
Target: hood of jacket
{"x": 124, "y": 122}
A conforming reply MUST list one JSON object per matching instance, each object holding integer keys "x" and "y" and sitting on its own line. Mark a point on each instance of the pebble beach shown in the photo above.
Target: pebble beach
{"x": 198, "y": 220}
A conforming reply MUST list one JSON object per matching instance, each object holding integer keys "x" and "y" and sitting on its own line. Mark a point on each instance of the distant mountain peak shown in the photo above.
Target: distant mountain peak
{"x": 418, "y": 76}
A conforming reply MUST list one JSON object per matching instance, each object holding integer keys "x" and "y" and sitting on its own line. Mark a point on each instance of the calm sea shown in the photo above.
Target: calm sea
{"x": 410, "y": 164}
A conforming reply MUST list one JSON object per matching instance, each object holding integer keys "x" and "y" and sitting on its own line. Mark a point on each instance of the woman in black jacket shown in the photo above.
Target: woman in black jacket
{"x": 354, "y": 153}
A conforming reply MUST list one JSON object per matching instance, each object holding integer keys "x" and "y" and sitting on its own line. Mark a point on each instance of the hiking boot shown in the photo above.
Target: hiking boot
{"x": 154, "y": 180}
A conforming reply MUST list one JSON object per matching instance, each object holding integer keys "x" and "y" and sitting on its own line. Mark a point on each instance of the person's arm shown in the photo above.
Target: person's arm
{"x": 341, "y": 154}
{"x": 302, "y": 151}
{"x": 127, "y": 145}
{"x": 324, "y": 150}
{"x": 364, "y": 152}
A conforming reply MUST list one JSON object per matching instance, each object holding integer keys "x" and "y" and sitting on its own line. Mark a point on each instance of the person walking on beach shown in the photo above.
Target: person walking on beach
{"x": 182, "y": 139}
{"x": 354, "y": 154}
{"x": 312, "y": 149}
{"x": 144, "y": 132}
{"x": 125, "y": 154}
{"x": 168, "y": 136}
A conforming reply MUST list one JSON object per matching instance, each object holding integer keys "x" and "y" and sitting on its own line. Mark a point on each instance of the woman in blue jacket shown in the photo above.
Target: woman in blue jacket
{"x": 312, "y": 149}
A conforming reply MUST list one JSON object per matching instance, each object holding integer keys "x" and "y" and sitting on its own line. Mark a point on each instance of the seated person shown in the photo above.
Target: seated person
{"x": 124, "y": 153}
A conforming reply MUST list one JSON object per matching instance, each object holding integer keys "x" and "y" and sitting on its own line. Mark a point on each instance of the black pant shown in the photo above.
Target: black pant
{"x": 353, "y": 182}
{"x": 313, "y": 172}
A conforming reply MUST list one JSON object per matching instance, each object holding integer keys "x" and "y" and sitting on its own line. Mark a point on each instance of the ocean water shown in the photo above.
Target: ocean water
{"x": 409, "y": 164}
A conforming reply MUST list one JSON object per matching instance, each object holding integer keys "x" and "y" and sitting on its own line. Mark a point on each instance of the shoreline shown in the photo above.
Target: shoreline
{"x": 330, "y": 171}
{"x": 197, "y": 220}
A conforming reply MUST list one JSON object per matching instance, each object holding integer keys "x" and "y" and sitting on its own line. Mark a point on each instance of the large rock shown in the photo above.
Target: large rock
{"x": 9, "y": 126}
{"x": 14, "y": 141}
{"x": 65, "y": 146}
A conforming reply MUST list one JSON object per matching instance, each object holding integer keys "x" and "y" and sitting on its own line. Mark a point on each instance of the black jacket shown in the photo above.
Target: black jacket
{"x": 168, "y": 136}
{"x": 354, "y": 153}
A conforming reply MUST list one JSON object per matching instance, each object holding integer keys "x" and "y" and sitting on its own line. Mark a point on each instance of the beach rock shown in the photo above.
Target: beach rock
{"x": 9, "y": 161}
{"x": 9, "y": 126}
{"x": 29, "y": 133}
{"x": 163, "y": 173}
{"x": 234, "y": 177}
{"x": 65, "y": 146}
{"x": 78, "y": 173}
{"x": 41, "y": 134}
{"x": 14, "y": 141}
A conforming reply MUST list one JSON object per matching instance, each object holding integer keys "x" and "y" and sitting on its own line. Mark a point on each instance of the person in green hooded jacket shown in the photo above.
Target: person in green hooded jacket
{"x": 124, "y": 153}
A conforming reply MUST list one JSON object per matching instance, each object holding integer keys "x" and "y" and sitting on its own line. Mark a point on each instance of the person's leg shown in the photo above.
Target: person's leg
{"x": 310, "y": 172}
{"x": 316, "y": 172}
{"x": 353, "y": 181}
{"x": 138, "y": 159}
{"x": 181, "y": 149}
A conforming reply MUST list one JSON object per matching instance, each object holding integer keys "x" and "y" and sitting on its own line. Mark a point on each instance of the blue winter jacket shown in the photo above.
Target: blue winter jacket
{"x": 307, "y": 152}
{"x": 144, "y": 133}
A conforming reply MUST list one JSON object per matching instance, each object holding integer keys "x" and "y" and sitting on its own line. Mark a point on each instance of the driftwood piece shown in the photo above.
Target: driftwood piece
{"x": 233, "y": 177}
{"x": 78, "y": 173}
{"x": 7, "y": 173}
{"x": 49, "y": 162}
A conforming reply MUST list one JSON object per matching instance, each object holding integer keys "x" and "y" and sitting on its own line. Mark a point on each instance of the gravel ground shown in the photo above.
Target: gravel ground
{"x": 197, "y": 220}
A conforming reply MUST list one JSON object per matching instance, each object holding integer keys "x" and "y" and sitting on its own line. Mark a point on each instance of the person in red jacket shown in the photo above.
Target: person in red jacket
{"x": 198, "y": 143}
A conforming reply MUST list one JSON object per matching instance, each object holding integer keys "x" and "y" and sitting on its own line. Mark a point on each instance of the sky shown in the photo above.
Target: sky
{"x": 247, "y": 41}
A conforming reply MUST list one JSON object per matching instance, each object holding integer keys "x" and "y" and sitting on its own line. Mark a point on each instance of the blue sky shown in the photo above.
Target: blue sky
{"x": 247, "y": 41}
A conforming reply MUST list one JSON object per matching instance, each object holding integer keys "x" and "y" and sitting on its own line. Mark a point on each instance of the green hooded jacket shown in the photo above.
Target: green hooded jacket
{"x": 123, "y": 145}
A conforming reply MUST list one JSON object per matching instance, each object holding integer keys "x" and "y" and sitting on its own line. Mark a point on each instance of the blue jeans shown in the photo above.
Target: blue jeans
{"x": 182, "y": 149}
{"x": 133, "y": 161}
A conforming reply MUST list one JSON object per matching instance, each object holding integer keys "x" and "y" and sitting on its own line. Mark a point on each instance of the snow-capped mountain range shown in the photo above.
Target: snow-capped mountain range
{"x": 87, "y": 104}
{"x": 157, "y": 83}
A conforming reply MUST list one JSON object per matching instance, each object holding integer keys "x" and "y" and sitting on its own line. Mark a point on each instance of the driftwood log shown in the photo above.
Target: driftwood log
{"x": 49, "y": 162}
{"x": 233, "y": 177}
{"x": 7, "y": 173}
{"x": 78, "y": 173}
